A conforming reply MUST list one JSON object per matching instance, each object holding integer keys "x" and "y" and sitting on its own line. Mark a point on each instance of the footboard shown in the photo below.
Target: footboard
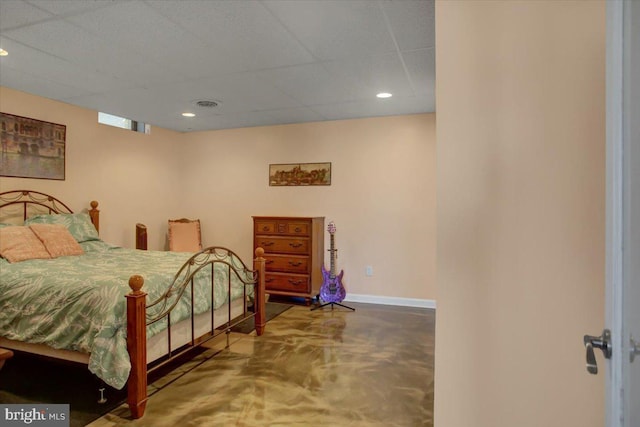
{"x": 138, "y": 319}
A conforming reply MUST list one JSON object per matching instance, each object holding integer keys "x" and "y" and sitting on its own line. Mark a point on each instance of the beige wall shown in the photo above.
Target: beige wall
{"x": 128, "y": 173}
{"x": 520, "y": 232}
{"x": 382, "y": 196}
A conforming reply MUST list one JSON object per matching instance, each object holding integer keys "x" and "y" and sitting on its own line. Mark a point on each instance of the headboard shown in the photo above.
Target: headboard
{"x": 18, "y": 205}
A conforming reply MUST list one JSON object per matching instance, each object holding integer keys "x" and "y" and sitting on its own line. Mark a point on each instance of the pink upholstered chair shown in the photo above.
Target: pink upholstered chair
{"x": 184, "y": 235}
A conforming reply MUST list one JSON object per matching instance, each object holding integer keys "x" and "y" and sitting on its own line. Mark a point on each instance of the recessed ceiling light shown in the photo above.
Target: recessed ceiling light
{"x": 384, "y": 95}
{"x": 188, "y": 114}
{"x": 3, "y": 52}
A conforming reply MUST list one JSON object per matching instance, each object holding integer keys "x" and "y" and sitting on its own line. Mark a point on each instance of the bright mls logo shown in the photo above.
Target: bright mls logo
{"x": 38, "y": 415}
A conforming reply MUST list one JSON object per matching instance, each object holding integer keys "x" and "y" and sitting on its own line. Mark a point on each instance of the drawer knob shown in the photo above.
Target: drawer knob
{"x": 295, "y": 245}
{"x": 267, "y": 244}
{"x": 295, "y": 282}
{"x": 295, "y": 264}
{"x": 298, "y": 229}
{"x": 268, "y": 280}
{"x": 265, "y": 228}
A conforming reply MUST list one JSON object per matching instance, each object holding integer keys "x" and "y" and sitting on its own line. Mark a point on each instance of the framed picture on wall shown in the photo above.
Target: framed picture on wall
{"x": 32, "y": 148}
{"x": 300, "y": 174}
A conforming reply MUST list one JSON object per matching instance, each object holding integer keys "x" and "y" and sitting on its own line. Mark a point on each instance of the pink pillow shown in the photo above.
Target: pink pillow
{"x": 57, "y": 239}
{"x": 18, "y": 243}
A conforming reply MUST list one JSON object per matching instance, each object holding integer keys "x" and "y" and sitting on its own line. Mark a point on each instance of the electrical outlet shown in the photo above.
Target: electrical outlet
{"x": 368, "y": 270}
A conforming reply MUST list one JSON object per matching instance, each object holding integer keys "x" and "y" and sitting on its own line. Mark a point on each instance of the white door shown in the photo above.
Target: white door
{"x": 623, "y": 212}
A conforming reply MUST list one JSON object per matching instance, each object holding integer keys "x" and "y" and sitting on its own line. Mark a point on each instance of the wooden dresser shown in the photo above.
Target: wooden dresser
{"x": 294, "y": 250}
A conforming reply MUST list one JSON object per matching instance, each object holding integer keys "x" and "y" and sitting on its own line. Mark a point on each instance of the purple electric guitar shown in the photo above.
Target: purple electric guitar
{"x": 332, "y": 290}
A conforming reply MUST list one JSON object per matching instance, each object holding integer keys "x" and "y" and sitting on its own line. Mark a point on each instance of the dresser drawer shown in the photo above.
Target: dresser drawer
{"x": 287, "y": 263}
{"x": 294, "y": 228}
{"x": 282, "y": 227}
{"x": 285, "y": 245}
{"x": 287, "y": 282}
{"x": 264, "y": 227}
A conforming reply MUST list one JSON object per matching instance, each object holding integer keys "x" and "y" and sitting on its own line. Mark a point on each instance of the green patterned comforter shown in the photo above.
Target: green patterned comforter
{"x": 77, "y": 302}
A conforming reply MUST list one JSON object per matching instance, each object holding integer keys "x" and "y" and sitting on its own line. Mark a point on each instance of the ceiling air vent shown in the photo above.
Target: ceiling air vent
{"x": 206, "y": 104}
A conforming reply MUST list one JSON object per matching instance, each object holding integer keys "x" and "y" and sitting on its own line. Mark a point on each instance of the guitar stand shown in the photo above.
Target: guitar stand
{"x": 332, "y": 304}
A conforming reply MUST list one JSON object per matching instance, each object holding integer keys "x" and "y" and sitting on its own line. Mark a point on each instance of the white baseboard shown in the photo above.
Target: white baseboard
{"x": 405, "y": 302}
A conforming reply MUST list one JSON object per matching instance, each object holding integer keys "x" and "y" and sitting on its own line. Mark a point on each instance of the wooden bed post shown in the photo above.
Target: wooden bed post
{"x": 94, "y": 213}
{"x": 141, "y": 236}
{"x": 137, "y": 347}
{"x": 261, "y": 318}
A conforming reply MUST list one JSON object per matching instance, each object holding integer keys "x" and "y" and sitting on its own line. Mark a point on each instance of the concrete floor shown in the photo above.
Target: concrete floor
{"x": 371, "y": 367}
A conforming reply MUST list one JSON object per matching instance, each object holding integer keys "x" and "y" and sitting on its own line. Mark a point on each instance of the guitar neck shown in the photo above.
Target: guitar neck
{"x": 333, "y": 257}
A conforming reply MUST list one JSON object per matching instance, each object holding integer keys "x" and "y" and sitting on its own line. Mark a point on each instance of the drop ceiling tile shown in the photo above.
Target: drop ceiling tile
{"x": 245, "y": 30}
{"x": 332, "y": 29}
{"x": 421, "y": 65}
{"x": 15, "y": 14}
{"x": 157, "y": 38}
{"x": 236, "y": 92}
{"x": 57, "y": 70}
{"x": 71, "y": 7}
{"x": 370, "y": 75}
{"x": 131, "y": 25}
{"x": 137, "y": 104}
{"x": 222, "y": 121}
{"x": 408, "y": 20}
{"x": 200, "y": 61}
{"x": 247, "y": 119}
{"x": 65, "y": 40}
{"x": 309, "y": 84}
{"x": 244, "y": 119}
{"x": 141, "y": 103}
{"x": 23, "y": 81}
{"x": 294, "y": 115}
{"x": 54, "y": 37}
{"x": 375, "y": 108}
{"x": 181, "y": 125}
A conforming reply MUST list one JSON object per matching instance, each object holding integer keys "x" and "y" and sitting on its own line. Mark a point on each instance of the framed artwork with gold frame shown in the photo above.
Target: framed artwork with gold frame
{"x": 297, "y": 174}
{"x": 32, "y": 148}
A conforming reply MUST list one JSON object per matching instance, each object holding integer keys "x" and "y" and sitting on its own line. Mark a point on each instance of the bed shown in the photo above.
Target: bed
{"x": 123, "y": 312}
